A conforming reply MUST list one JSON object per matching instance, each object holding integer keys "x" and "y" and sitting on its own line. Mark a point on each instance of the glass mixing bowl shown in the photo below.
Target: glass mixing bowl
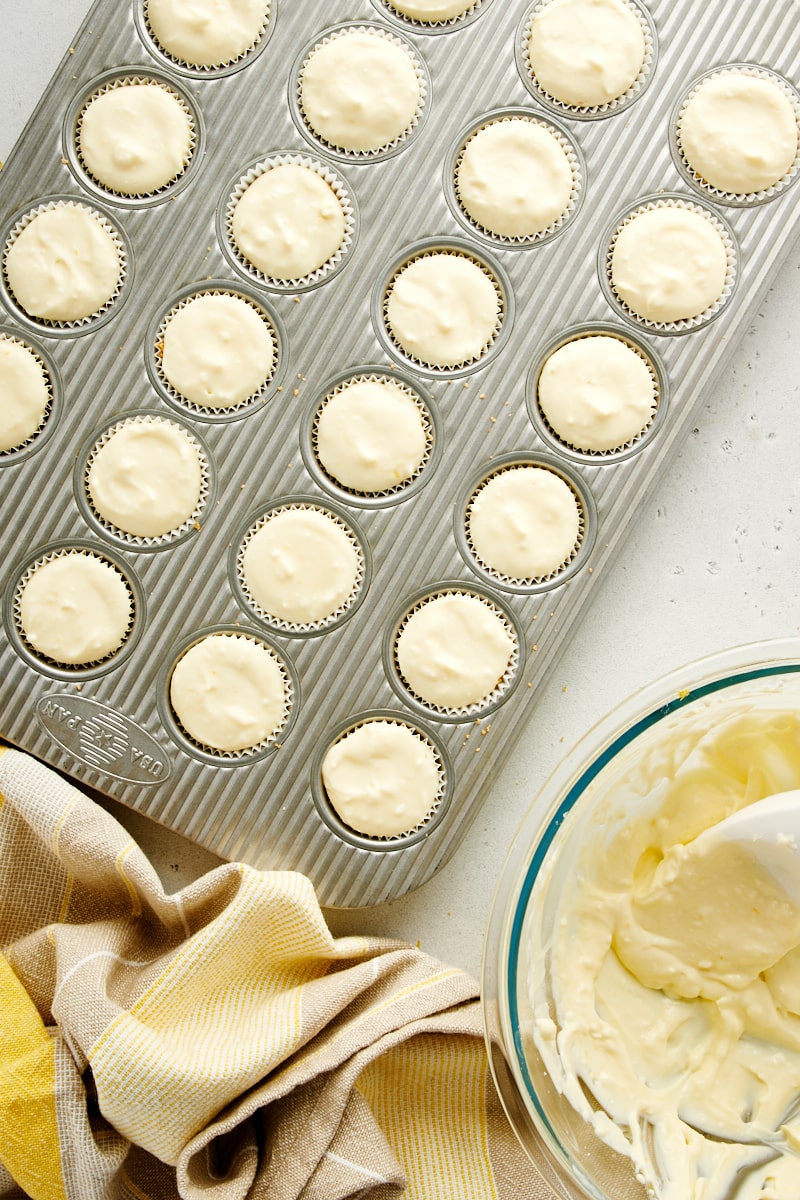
{"x": 543, "y": 859}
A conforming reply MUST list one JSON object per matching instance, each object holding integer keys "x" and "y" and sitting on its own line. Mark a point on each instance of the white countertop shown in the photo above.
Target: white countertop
{"x": 712, "y": 561}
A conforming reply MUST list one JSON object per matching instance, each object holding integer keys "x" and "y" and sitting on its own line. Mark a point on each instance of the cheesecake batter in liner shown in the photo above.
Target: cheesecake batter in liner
{"x": 406, "y": 487}
{"x": 198, "y": 70}
{"x": 155, "y": 346}
{"x": 491, "y": 270}
{"x": 397, "y": 841}
{"x": 660, "y": 394}
{"x": 51, "y": 666}
{"x": 596, "y": 111}
{"x": 210, "y": 754}
{"x": 587, "y": 522}
{"x": 505, "y": 685}
{"x": 717, "y": 195}
{"x": 51, "y": 413}
{"x": 234, "y": 194}
{"x": 396, "y": 144}
{"x": 344, "y": 610}
{"x": 418, "y": 25}
{"x": 669, "y": 200}
{"x": 131, "y": 541}
{"x": 108, "y": 82}
{"x": 21, "y": 220}
{"x": 568, "y": 145}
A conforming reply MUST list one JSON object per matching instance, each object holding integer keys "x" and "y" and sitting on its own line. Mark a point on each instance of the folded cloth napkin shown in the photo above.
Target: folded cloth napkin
{"x": 220, "y": 1042}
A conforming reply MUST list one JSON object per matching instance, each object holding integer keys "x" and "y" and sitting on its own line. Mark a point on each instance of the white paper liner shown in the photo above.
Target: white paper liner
{"x": 686, "y": 324}
{"x": 300, "y": 627}
{"x": 339, "y": 189}
{"x": 448, "y": 23}
{"x": 48, "y": 411}
{"x": 467, "y": 362}
{"x": 200, "y": 68}
{"x": 597, "y": 110}
{"x": 17, "y": 611}
{"x": 179, "y": 531}
{"x": 207, "y": 409}
{"x": 267, "y": 743}
{"x": 738, "y": 198}
{"x": 396, "y": 143}
{"x": 503, "y": 687}
{"x": 599, "y": 455}
{"x": 127, "y": 81}
{"x": 390, "y": 839}
{"x": 111, "y": 230}
{"x": 562, "y": 220}
{"x": 531, "y": 580}
{"x": 427, "y": 425}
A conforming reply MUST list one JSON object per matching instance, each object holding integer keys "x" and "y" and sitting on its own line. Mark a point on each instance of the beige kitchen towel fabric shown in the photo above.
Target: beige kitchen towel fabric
{"x": 220, "y": 1042}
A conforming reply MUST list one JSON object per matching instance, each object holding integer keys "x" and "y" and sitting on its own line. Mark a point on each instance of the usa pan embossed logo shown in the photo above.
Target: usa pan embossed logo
{"x": 103, "y": 738}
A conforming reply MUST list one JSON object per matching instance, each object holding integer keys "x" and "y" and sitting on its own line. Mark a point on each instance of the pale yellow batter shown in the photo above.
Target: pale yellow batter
{"x": 75, "y": 608}
{"x": 146, "y": 478}
{"x": 675, "y": 975}
{"x": 382, "y": 778}
{"x": 515, "y": 178}
{"x": 739, "y": 132}
{"x": 64, "y": 265}
{"x": 24, "y": 393}
{"x": 586, "y": 52}
{"x": 596, "y": 393}
{"x": 525, "y": 522}
{"x": 228, "y": 692}
{"x": 669, "y": 264}
{"x": 289, "y": 222}
{"x": 217, "y": 350}
{"x": 359, "y": 91}
{"x": 454, "y": 651}
{"x": 135, "y": 138}
{"x": 443, "y": 309}
{"x": 370, "y": 435}
{"x": 207, "y": 33}
{"x": 301, "y": 566}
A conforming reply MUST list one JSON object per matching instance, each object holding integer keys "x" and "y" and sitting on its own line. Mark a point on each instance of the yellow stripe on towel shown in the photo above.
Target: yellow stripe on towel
{"x": 428, "y": 1096}
{"x": 29, "y": 1147}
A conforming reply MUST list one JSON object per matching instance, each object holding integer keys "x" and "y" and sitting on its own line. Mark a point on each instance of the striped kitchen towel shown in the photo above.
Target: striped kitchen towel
{"x": 220, "y": 1042}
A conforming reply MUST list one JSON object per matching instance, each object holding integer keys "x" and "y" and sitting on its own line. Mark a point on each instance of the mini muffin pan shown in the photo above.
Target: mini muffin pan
{"x": 111, "y": 724}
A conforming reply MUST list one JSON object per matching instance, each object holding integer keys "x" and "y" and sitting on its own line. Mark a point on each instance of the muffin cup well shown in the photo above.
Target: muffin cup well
{"x": 52, "y": 412}
{"x": 651, "y": 360}
{"x": 402, "y": 841}
{"x": 587, "y": 523}
{"x": 198, "y": 71}
{"x": 110, "y": 81}
{"x": 647, "y": 204}
{"x": 248, "y": 601}
{"x": 43, "y": 663}
{"x": 598, "y": 111}
{"x": 208, "y": 754}
{"x": 505, "y": 685}
{"x": 574, "y": 156}
{"x": 20, "y": 221}
{"x": 154, "y": 346}
{"x": 188, "y": 528}
{"x": 429, "y": 417}
{"x": 236, "y": 190}
{"x": 491, "y": 269}
{"x": 733, "y": 199}
{"x": 396, "y": 144}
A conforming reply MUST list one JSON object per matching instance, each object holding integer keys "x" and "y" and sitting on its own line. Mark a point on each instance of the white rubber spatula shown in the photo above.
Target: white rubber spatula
{"x": 770, "y": 830}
